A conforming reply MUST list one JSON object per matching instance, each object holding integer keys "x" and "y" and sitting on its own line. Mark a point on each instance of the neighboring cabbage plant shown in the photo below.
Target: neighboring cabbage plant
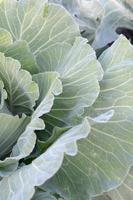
{"x": 101, "y": 21}
{"x": 87, "y": 13}
{"x": 54, "y": 92}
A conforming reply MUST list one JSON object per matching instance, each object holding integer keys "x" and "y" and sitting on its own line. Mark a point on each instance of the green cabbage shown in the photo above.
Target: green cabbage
{"x": 53, "y": 93}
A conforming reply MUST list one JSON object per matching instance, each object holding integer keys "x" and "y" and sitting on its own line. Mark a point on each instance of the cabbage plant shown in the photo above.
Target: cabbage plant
{"x": 66, "y": 117}
{"x": 100, "y": 21}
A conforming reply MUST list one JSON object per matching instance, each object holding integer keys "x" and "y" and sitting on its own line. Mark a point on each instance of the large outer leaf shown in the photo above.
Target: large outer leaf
{"x": 40, "y": 24}
{"x": 106, "y": 155}
{"x": 20, "y": 185}
{"x": 123, "y": 192}
{"x": 22, "y": 92}
{"x": 79, "y": 71}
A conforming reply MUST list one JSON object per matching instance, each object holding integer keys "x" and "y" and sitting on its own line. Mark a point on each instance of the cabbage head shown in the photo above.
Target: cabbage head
{"x": 53, "y": 92}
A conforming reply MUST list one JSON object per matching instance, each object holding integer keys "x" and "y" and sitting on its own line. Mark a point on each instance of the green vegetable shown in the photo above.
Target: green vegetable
{"x": 53, "y": 93}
